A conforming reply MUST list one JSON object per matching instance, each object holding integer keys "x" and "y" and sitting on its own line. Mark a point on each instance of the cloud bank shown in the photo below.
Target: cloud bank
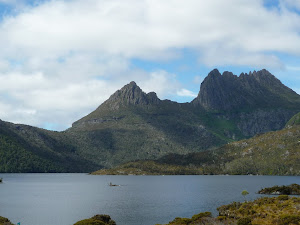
{"x": 60, "y": 59}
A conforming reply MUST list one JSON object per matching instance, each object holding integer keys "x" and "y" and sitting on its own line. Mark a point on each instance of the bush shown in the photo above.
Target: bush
{"x": 97, "y": 220}
{"x": 244, "y": 221}
{"x": 221, "y": 218}
{"x": 90, "y": 222}
{"x": 289, "y": 219}
{"x": 181, "y": 221}
{"x": 4, "y": 220}
{"x": 201, "y": 215}
{"x": 283, "y": 197}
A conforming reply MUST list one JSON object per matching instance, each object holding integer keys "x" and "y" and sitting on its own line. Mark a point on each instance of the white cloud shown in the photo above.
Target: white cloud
{"x": 291, "y": 3}
{"x": 150, "y": 29}
{"x": 161, "y": 82}
{"x": 60, "y": 59}
{"x": 294, "y": 68}
{"x": 198, "y": 79}
{"x": 186, "y": 93}
{"x": 38, "y": 99}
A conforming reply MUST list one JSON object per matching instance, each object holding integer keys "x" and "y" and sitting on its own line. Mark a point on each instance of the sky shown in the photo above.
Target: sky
{"x": 60, "y": 59}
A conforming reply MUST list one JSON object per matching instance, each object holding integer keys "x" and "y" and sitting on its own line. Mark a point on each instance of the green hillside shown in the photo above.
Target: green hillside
{"x": 28, "y": 149}
{"x": 273, "y": 153}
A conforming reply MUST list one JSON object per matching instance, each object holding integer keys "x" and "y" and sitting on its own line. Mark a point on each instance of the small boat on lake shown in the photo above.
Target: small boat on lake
{"x": 113, "y": 185}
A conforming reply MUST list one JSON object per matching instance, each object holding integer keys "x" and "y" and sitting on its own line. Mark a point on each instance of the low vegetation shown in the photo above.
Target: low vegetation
{"x": 97, "y": 220}
{"x": 293, "y": 189}
{"x": 272, "y": 153}
{"x": 5, "y": 221}
{"x": 148, "y": 167}
{"x": 280, "y": 210}
{"x": 201, "y": 218}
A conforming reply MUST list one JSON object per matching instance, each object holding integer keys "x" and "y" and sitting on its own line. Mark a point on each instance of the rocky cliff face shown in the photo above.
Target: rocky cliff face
{"x": 258, "y": 102}
{"x": 228, "y": 92}
{"x": 261, "y": 121}
{"x": 131, "y": 94}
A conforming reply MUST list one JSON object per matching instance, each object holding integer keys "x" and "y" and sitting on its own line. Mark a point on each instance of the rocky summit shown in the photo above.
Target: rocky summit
{"x": 134, "y": 125}
{"x": 228, "y": 92}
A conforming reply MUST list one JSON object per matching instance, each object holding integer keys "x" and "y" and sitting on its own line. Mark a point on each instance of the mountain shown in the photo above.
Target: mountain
{"x": 257, "y": 102}
{"x": 134, "y": 125}
{"x": 272, "y": 153}
{"x": 229, "y": 92}
{"x": 28, "y": 149}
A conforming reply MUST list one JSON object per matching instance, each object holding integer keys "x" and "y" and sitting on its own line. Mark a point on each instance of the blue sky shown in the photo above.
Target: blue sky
{"x": 60, "y": 59}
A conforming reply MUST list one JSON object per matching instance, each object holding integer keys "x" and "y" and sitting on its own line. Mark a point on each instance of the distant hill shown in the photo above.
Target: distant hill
{"x": 133, "y": 125}
{"x": 272, "y": 153}
{"x": 29, "y": 149}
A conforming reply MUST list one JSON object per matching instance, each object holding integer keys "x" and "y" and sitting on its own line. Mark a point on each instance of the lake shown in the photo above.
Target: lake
{"x": 63, "y": 199}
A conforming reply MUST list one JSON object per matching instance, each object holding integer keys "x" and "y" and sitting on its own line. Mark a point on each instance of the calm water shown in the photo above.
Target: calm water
{"x": 63, "y": 199}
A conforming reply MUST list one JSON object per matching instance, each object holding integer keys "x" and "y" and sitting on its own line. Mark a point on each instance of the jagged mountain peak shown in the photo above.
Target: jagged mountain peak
{"x": 132, "y": 94}
{"x": 230, "y": 92}
{"x": 130, "y": 86}
{"x": 126, "y": 97}
{"x": 261, "y": 74}
{"x": 214, "y": 73}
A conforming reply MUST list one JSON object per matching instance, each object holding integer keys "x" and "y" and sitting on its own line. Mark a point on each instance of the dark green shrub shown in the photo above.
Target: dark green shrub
{"x": 3, "y": 219}
{"x": 201, "y": 215}
{"x": 181, "y": 221}
{"x": 244, "y": 221}
{"x": 289, "y": 219}
{"x": 283, "y": 197}
{"x": 97, "y": 220}
{"x": 221, "y": 218}
{"x": 90, "y": 222}
{"x": 104, "y": 218}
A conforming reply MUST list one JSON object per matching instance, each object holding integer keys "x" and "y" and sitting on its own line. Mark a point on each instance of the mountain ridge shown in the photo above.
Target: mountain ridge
{"x": 226, "y": 92}
{"x": 134, "y": 125}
